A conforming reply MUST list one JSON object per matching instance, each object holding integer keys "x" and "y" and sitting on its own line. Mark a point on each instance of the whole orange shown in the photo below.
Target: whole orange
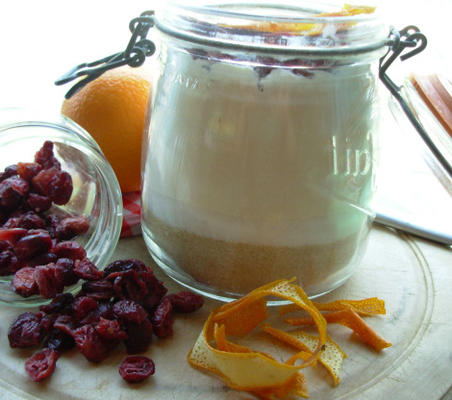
{"x": 112, "y": 109}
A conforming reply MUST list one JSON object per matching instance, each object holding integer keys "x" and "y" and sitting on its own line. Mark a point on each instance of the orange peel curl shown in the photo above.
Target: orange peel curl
{"x": 243, "y": 368}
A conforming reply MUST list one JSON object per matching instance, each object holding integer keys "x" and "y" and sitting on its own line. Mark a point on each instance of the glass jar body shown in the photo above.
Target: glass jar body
{"x": 259, "y": 167}
{"x": 96, "y": 194}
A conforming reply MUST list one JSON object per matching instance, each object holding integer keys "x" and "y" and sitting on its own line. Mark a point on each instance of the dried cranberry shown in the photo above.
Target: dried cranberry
{"x": 61, "y": 303}
{"x": 48, "y": 280}
{"x": 46, "y": 324}
{"x": 69, "y": 249}
{"x": 82, "y": 306}
{"x": 59, "y": 341}
{"x": 25, "y": 331}
{"x": 8, "y": 263}
{"x": 44, "y": 156}
{"x": 128, "y": 285}
{"x": 55, "y": 184}
{"x": 28, "y": 170}
{"x": 136, "y": 368}
{"x": 125, "y": 265}
{"x": 61, "y": 188}
{"x": 4, "y": 245}
{"x": 12, "y": 192}
{"x": 162, "y": 321}
{"x": 65, "y": 271}
{"x": 129, "y": 311}
{"x": 106, "y": 310}
{"x": 185, "y": 301}
{"x": 8, "y": 172}
{"x": 13, "y": 222}
{"x": 31, "y": 220}
{"x": 34, "y": 243}
{"x": 42, "y": 259}
{"x": 155, "y": 290}
{"x": 85, "y": 269}
{"x": 98, "y": 290}
{"x": 19, "y": 185}
{"x": 24, "y": 282}
{"x": 92, "y": 345}
{"x": 12, "y": 235}
{"x": 70, "y": 227}
{"x": 139, "y": 336}
{"x": 41, "y": 365}
{"x": 52, "y": 223}
{"x": 39, "y": 203}
{"x": 65, "y": 323}
{"x": 110, "y": 329}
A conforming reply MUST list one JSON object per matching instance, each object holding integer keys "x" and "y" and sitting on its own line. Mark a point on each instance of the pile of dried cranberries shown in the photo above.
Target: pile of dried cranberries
{"x": 124, "y": 303}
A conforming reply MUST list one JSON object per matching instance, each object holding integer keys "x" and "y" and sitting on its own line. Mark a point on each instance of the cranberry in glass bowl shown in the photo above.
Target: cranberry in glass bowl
{"x": 89, "y": 201}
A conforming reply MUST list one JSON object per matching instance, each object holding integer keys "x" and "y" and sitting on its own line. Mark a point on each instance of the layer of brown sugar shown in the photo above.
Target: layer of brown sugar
{"x": 240, "y": 267}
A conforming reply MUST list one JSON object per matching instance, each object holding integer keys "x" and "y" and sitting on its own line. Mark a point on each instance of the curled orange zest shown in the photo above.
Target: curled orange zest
{"x": 352, "y": 320}
{"x": 243, "y": 368}
{"x": 364, "y": 307}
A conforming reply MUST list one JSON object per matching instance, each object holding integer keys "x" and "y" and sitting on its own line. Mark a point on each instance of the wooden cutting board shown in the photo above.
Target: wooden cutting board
{"x": 414, "y": 277}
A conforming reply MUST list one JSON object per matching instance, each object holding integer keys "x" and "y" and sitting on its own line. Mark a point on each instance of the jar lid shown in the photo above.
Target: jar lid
{"x": 289, "y": 27}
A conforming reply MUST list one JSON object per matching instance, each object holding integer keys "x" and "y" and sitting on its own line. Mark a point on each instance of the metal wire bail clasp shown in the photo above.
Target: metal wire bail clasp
{"x": 412, "y": 40}
{"x": 134, "y": 55}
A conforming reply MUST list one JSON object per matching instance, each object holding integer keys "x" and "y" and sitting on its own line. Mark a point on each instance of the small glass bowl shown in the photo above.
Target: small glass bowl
{"x": 96, "y": 194}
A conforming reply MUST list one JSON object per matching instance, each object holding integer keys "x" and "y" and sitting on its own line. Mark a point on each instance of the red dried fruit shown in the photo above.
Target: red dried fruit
{"x": 70, "y": 227}
{"x": 82, "y": 306}
{"x": 12, "y": 192}
{"x": 24, "y": 282}
{"x": 128, "y": 285}
{"x": 48, "y": 280}
{"x": 61, "y": 303}
{"x": 110, "y": 329}
{"x": 44, "y": 156}
{"x": 8, "y": 172}
{"x": 25, "y": 331}
{"x": 65, "y": 271}
{"x": 8, "y": 263}
{"x": 11, "y": 223}
{"x": 92, "y": 345}
{"x": 129, "y": 311}
{"x": 61, "y": 188}
{"x": 31, "y": 220}
{"x": 69, "y": 249}
{"x": 55, "y": 184}
{"x": 12, "y": 235}
{"x": 155, "y": 290}
{"x": 65, "y": 323}
{"x": 139, "y": 336}
{"x": 4, "y": 245}
{"x": 42, "y": 259}
{"x": 52, "y": 223}
{"x": 162, "y": 321}
{"x": 59, "y": 341}
{"x": 185, "y": 301}
{"x": 39, "y": 203}
{"x": 125, "y": 265}
{"x": 35, "y": 242}
{"x": 28, "y": 170}
{"x": 41, "y": 365}
{"x": 85, "y": 269}
{"x": 98, "y": 290}
{"x": 136, "y": 368}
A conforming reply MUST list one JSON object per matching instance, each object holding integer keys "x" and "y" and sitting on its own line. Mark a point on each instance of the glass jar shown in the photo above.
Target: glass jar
{"x": 96, "y": 193}
{"x": 259, "y": 162}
